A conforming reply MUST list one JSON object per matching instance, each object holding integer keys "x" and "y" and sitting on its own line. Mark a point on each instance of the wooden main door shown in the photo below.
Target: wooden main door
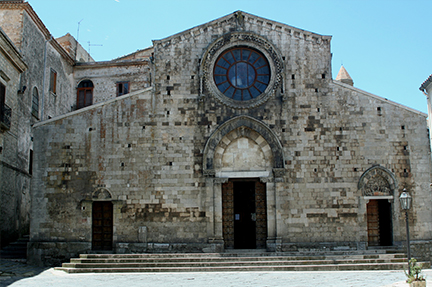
{"x": 244, "y": 214}
{"x": 102, "y": 228}
{"x": 379, "y": 222}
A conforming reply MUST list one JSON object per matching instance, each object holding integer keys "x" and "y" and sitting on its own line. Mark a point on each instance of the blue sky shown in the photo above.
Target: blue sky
{"x": 385, "y": 45}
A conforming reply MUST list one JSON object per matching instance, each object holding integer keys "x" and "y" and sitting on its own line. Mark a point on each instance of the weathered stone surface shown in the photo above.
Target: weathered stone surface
{"x": 40, "y": 55}
{"x": 162, "y": 155}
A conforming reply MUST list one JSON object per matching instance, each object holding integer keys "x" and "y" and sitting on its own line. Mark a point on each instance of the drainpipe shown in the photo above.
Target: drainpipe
{"x": 44, "y": 76}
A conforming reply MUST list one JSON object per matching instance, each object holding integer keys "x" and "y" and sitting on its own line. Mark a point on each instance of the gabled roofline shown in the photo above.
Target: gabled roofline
{"x": 103, "y": 64}
{"x": 379, "y": 98}
{"x": 269, "y": 23}
{"x": 48, "y": 37}
{"x": 11, "y": 52}
{"x": 92, "y": 107}
{"x": 130, "y": 54}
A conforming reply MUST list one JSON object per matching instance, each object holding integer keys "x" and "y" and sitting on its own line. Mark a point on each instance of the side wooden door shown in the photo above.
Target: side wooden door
{"x": 102, "y": 227}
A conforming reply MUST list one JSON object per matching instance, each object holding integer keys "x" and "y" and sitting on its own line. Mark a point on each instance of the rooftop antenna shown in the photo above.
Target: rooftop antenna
{"x": 92, "y": 45}
{"x": 78, "y": 29}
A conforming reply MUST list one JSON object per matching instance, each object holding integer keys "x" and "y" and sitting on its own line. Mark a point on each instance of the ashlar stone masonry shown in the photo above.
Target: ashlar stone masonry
{"x": 236, "y": 136}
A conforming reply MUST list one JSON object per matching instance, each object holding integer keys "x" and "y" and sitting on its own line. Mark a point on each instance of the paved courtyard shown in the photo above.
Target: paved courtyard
{"x": 18, "y": 274}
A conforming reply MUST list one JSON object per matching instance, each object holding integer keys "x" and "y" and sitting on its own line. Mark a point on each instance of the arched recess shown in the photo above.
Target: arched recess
{"x": 255, "y": 179}
{"x": 243, "y": 149}
{"x": 101, "y": 194}
{"x": 35, "y": 102}
{"x": 377, "y": 185}
{"x": 377, "y": 181}
{"x": 255, "y": 126}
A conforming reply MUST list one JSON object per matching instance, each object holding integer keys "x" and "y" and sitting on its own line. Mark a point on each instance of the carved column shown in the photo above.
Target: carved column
{"x": 214, "y": 206}
{"x": 271, "y": 213}
{"x": 279, "y": 174}
{"x": 217, "y": 201}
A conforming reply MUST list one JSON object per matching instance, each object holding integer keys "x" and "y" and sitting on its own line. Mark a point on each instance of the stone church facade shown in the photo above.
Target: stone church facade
{"x": 230, "y": 135}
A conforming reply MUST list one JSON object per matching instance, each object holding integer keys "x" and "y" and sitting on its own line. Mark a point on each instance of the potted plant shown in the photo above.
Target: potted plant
{"x": 415, "y": 278}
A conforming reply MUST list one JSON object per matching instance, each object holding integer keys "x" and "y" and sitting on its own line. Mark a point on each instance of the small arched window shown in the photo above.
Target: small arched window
{"x": 84, "y": 94}
{"x": 35, "y": 102}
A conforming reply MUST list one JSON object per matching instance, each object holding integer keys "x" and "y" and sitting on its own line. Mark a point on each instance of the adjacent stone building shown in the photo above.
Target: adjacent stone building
{"x": 37, "y": 83}
{"x": 230, "y": 135}
{"x": 14, "y": 176}
{"x": 426, "y": 88}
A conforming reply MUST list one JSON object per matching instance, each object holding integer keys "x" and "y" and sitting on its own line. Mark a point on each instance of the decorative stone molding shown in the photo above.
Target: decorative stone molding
{"x": 220, "y": 180}
{"x": 235, "y": 123}
{"x": 266, "y": 179}
{"x": 209, "y": 172}
{"x": 245, "y": 39}
{"x": 279, "y": 172}
{"x": 377, "y": 181}
{"x": 101, "y": 194}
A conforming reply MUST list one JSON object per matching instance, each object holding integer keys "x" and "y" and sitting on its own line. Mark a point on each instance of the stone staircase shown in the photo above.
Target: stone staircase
{"x": 233, "y": 261}
{"x": 16, "y": 250}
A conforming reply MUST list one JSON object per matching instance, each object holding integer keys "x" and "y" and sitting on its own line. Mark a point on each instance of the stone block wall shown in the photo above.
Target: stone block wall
{"x": 40, "y": 54}
{"x": 106, "y": 75}
{"x": 146, "y": 151}
{"x": 14, "y": 176}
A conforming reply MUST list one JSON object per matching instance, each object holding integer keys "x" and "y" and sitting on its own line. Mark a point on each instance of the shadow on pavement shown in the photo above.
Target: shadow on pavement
{"x": 12, "y": 270}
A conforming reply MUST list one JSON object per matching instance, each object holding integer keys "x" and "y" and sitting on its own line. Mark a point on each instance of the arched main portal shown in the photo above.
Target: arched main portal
{"x": 245, "y": 157}
{"x": 377, "y": 186}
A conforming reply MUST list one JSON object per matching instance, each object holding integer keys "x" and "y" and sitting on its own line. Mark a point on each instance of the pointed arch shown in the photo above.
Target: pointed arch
{"x": 233, "y": 124}
{"x": 377, "y": 181}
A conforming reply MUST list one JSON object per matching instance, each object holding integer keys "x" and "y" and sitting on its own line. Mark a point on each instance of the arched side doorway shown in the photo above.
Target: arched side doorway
{"x": 102, "y": 220}
{"x": 242, "y": 169}
{"x": 377, "y": 185}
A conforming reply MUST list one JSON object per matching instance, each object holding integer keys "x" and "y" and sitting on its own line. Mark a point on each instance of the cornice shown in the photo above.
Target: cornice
{"x": 15, "y": 5}
{"x": 253, "y": 20}
{"x": 426, "y": 83}
{"x": 11, "y": 52}
{"x": 113, "y": 63}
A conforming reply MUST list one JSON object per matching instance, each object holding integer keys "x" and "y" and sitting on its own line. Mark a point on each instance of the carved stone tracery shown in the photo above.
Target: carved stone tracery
{"x": 246, "y": 39}
{"x": 101, "y": 194}
{"x": 377, "y": 181}
{"x": 377, "y": 185}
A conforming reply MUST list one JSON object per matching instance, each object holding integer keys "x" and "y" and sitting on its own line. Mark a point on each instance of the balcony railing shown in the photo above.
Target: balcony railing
{"x": 5, "y": 117}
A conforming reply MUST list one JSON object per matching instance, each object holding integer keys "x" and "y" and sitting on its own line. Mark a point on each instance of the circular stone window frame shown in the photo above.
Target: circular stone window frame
{"x": 238, "y": 40}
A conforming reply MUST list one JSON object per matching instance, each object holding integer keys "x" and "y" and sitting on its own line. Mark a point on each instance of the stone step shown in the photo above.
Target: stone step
{"x": 203, "y": 262}
{"x": 134, "y": 264}
{"x": 236, "y": 259}
{"x": 152, "y": 255}
{"x": 328, "y": 267}
{"x": 181, "y": 256}
{"x": 15, "y": 250}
